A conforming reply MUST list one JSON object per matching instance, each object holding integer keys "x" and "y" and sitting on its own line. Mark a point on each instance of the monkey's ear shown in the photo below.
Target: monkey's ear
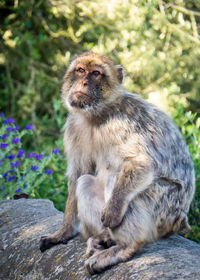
{"x": 120, "y": 73}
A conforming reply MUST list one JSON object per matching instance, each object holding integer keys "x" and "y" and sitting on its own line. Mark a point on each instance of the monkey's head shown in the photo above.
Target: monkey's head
{"x": 90, "y": 82}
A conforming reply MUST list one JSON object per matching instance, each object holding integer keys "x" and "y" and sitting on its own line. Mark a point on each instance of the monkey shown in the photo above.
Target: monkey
{"x": 130, "y": 174}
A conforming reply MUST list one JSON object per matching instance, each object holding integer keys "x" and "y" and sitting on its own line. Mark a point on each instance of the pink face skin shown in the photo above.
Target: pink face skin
{"x": 86, "y": 90}
{"x": 85, "y": 75}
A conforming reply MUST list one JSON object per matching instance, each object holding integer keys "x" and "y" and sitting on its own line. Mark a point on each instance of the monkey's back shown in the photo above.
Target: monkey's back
{"x": 163, "y": 143}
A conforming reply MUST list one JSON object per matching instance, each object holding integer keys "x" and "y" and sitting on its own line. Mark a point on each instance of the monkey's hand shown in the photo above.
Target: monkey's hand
{"x": 60, "y": 236}
{"x": 111, "y": 215}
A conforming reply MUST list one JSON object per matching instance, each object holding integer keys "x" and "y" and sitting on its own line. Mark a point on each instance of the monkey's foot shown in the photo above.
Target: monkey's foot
{"x": 99, "y": 242}
{"x": 93, "y": 245}
{"x": 104, "y": 259}
{"x": 46, "y": 243}
{"x": 58, "y": 237}
{"x": 94, "y": 264}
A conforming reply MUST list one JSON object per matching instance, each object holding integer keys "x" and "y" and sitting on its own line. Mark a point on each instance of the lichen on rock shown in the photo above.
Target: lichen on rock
{"x": 24, "y": 221}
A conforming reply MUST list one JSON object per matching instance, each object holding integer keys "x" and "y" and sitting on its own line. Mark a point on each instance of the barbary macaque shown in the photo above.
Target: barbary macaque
{"x": 131, "y": 177}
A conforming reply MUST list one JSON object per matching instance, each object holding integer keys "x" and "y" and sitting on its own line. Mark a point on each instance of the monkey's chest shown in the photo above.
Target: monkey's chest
{"x": 95, "y": 150}
{"x": 107, "y": 162}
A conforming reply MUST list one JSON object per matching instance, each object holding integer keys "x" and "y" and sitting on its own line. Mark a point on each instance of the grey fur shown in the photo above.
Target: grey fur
{"x": 134, "y": 171}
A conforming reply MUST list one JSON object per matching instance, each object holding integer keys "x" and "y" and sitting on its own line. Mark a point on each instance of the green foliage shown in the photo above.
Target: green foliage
{"x": 157, "y": 42}
{"x": 26, "y": 172}
{"x": 190, "y": 127}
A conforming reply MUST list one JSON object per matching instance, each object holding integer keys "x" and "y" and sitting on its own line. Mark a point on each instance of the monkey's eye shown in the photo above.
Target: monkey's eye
{"x": 96, "y": 73}
{"x": 80, "y": 70}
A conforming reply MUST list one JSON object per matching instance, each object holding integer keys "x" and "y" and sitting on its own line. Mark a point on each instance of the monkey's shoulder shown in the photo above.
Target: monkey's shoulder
{"x": 134, "y": 106}
{"x": 144, "y": 115}
{"x": 132, "y": 115}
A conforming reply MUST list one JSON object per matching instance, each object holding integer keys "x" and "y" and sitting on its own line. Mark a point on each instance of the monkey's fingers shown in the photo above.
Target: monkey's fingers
{"x": 110, "y": 219}
{"x": 48, "y": 242}
{"x": 90, "y": 266}
{"x": 93, "y": 246}
{"x": 45, "y": 243}
{"x": 92, "y": 251}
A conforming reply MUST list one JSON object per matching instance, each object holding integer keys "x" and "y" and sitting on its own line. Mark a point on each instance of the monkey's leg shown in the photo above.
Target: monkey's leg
{"x": 99, "y": 242}
{"x": 89, "y": 189}
{"x": 134, "y": 177}
{"x": 90, "y": 202}
{"x": 69, "y": 227}
{"x": 171, "y": 214}
{"x": 106, "y": 258}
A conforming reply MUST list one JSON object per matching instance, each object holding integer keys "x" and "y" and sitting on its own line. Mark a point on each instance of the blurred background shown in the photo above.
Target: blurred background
{"x": 156, "y": 41}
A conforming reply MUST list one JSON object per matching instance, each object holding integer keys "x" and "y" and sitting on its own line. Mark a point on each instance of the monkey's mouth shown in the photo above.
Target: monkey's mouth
{"x": 80, "y": 93}
{"x": 80, "y": 99}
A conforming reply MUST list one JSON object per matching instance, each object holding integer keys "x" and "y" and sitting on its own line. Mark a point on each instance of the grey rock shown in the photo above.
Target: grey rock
{"x": 24, "y": 221}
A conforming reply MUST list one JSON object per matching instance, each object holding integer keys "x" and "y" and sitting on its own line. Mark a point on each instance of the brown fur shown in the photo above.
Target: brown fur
{"x": 131, "y": 177}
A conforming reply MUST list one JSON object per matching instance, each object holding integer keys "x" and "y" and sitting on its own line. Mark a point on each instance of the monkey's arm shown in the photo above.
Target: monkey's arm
{"x": 133, "y": 178}
{"x": 69, "y": 227}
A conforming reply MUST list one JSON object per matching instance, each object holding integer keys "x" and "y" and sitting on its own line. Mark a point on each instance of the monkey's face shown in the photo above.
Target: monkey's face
{"x": 87, "y": 86}
{"x": 89, "y": 81}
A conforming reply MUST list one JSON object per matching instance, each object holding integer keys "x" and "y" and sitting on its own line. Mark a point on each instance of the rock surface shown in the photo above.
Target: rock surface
{"x": 24, "y": 221}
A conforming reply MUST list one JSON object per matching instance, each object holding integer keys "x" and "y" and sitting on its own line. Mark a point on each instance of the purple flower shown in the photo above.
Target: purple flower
{"x": 5, "y": 136}
{"x": 18, "y": 190}
{"x": 2, "y": 114}
{"x": 11, "y": 157}
{"x": 25, "y": 186}
{"x": 5, "y": 174}
{"x": 56, "y": 151}
{"x": 10, "y": 121}
{"x": 16, "y": 140}
{"x": 2, "y": 188}
{"x": 11, "y": 178}
{"x": 29, "y": 127}
{"x": 9, "y": 128}
{"x": 21, "y": 179}
{"x": 3, "y": 145}
{"x": 31, "y": 155}
{"x": 21, "y": 153}
{"x": 49, "y": 172}
{"x": 17, "y": 163}
{"x": 5, "y": 195}
{"x": 39, "y": 157}
{"x": 17, "y": 127}
{"x": 34, "y": 167}
{"x": 12, "y": 165}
